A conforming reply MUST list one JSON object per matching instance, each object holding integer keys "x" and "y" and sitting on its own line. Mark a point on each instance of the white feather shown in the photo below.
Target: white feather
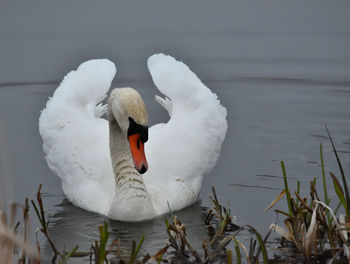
{"x": 166, "y": 103}
{"x": 182, "y": 151}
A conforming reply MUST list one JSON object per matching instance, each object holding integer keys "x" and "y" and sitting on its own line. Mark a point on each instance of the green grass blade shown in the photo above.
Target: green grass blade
{"x": 337, "y": 208}
{"x": 229, "y": 256}
{"x": 238, "y": 251}
{"x": 345, "y": 184}
{"x": 159, "y": 260}
{"x": 261, "y": 244}
{"x": 135, "y": 250}
{"x": 286, "y": 188}
{"x": 326, "y": 199}
{"x": 324, "y": 177}
{"x": 298, "y": 192}
{"x": 170, "y": 211}
{"x": 139, "y": 245}
{"x": 72, "y": 252}
{"x": 339, "y": 191}
{"x": 104, "y": 234}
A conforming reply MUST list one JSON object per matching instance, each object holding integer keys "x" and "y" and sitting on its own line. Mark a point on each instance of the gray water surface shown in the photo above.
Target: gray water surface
{"x": 281, "y": 68}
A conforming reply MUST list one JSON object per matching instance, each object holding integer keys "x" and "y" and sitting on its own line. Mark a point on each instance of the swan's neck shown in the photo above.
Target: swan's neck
{"x": 131, "y": 194}
{"x": 126, "y": 176}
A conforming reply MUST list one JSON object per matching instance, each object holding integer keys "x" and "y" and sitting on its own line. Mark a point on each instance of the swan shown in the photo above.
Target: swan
{"x": 117, "y": 166}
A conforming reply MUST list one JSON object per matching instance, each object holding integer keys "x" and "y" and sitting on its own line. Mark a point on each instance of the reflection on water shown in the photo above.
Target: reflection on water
{"x": 71, "y": 226}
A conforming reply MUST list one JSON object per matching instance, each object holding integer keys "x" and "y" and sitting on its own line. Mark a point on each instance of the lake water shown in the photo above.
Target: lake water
{"x": 281, "y": 68}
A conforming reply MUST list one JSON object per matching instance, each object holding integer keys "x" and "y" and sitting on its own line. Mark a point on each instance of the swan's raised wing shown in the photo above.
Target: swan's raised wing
{"x": 189, "y": 144}
{"x": 75, "y": 138}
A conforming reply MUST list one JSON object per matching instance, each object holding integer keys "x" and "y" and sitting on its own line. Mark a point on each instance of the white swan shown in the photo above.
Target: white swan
{"x": 92, "y": 156}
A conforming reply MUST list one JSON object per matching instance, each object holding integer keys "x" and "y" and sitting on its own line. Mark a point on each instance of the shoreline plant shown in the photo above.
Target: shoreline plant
{"x": 311, "y": 226}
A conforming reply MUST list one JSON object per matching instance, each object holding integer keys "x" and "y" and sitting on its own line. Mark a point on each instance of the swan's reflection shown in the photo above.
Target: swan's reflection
{"x": 72, "y": 226}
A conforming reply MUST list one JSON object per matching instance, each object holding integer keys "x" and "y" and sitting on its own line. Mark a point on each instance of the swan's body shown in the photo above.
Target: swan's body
{"x": 92, "y": 156}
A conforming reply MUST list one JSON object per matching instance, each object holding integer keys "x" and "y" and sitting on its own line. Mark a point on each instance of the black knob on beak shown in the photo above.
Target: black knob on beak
{"x": 143, "y": 169}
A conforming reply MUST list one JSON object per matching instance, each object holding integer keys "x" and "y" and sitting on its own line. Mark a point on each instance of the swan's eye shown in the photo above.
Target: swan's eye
{"x": 135, "y": 128}
{"x": 144, "y": 134}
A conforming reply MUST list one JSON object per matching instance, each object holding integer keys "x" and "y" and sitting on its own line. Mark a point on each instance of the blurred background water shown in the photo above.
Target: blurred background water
{"x": 281, "y": 68}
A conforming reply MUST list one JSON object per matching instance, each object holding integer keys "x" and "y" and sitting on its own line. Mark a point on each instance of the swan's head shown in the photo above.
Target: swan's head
{"x": 126, "y": 106}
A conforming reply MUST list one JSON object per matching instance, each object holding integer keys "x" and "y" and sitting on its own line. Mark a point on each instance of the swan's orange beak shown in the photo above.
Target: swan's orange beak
{"x": 138, "y": 153}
